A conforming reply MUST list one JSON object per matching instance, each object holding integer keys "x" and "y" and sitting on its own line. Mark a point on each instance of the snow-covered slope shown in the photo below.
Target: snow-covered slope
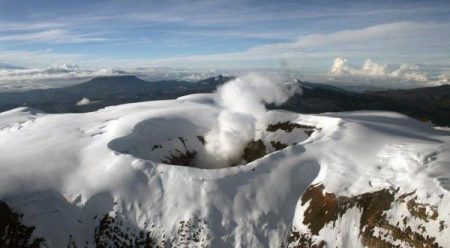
{"x": 103, "y": 178}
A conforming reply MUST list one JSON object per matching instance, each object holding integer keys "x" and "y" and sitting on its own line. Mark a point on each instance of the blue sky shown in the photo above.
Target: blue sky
{"x": 301, "y": 35}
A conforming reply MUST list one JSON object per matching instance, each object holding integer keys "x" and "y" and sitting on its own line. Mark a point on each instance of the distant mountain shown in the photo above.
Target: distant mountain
{"x": 105, "y": 91}
{"x": 8, "y": 66}
{"x": 426, "y": 104}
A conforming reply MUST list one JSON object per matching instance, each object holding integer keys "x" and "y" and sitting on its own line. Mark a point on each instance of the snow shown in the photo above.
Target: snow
{"x": 348, "y": 238}
{"x": 84, "y": 101}
{"x": 62, "y": 170}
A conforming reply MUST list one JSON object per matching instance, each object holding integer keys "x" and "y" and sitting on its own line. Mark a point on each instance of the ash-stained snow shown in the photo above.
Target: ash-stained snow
{"x": 66, "y": 172}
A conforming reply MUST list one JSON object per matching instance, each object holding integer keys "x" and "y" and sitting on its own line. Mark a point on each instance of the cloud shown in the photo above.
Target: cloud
{"x": 397, "y": 43}
{"x": 389, "y": 32}
{"x": 40, "y": 58}
{"x": 51, "y": 36}
{"x": 29, "y": 26}
{"x": 55, "y": 72}
{"x": 18, "y": 78}
{"x": 239, "y": 13}
{"x": 392, "y": 42}
{"x": 339, "y": 67}
{"x": 56, "y": 76}
{"x": 408, "y": 72}
{"x": 443, "y": 78}
{"x": 371, "y": 70}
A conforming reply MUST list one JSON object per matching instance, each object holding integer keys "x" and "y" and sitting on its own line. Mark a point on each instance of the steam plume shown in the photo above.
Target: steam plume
{"x": 244, "y": 113}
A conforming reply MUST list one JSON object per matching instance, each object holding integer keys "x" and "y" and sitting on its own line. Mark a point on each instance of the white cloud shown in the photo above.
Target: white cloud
{"x": 392, "y": 42}
{"x": 27, "y": 26}
{"x": 51, "y": 36}
{"x": 56, "y": 72}
{"x": 443, "y": 78}
{"x": 339, "y": 67}
{"x": 371, "y": 70}
{"x": 409, "y": 72}
{"x": 56, "y": 76}
{"x": 42, "y": 58}
{"x": 375, "y": 74}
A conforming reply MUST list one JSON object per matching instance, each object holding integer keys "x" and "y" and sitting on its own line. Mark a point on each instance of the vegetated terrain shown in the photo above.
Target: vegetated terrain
{"x": 426, "y": 104}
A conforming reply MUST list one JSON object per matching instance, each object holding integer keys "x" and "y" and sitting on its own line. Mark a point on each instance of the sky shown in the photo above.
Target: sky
{"x": 408, "y": 40}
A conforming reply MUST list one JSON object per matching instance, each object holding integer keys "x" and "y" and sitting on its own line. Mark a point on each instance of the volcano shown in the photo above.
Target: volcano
{"x": 132, "y": 175}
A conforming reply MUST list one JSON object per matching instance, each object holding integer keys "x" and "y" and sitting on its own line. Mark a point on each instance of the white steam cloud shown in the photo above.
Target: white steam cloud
{"x": 244, "y": 113}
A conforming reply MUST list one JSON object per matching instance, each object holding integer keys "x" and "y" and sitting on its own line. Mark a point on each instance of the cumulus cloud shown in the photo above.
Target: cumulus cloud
{"x": 374, "y": 70}
{"x": 442, "y": 79}
{"x": 244, "y": 113}
{"x": 409, "y": 72}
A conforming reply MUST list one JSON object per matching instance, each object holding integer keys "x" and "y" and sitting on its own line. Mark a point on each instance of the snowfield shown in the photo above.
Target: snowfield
{"x": 333, "y": 180}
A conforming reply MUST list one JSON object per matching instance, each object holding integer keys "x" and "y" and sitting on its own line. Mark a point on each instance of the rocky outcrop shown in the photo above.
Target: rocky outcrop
{"x": 376, "y": 227}
{"x": 13, "y": 233}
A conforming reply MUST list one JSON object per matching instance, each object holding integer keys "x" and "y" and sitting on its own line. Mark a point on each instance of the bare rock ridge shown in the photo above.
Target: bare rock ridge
{"x": 375, "y": 229}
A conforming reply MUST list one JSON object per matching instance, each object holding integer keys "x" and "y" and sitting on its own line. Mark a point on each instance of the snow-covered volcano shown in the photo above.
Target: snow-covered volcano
{"x": 130, "y": 175}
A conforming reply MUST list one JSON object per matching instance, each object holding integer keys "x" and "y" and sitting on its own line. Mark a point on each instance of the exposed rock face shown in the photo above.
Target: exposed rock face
{"x": 376, "y": 228}
{"x": 289, "y": 127}
{"x": 278, "y": 145}
{"x": 13, "y": 233}
{"x": 184, "y": 151}
{"x": 109, "y": 232}
{"x": 254, "y": 150}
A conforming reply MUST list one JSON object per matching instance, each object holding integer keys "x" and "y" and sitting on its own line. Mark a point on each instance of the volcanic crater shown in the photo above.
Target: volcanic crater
{"x": 190, "y": 151}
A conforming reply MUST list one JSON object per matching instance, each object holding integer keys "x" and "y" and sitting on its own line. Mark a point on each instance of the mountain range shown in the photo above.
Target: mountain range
{"x": 426, "y": 104}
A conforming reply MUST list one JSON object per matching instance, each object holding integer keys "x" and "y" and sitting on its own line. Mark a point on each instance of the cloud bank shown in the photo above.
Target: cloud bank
{"x": 371, "y": 71}
{"x": 16, "y": 78}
